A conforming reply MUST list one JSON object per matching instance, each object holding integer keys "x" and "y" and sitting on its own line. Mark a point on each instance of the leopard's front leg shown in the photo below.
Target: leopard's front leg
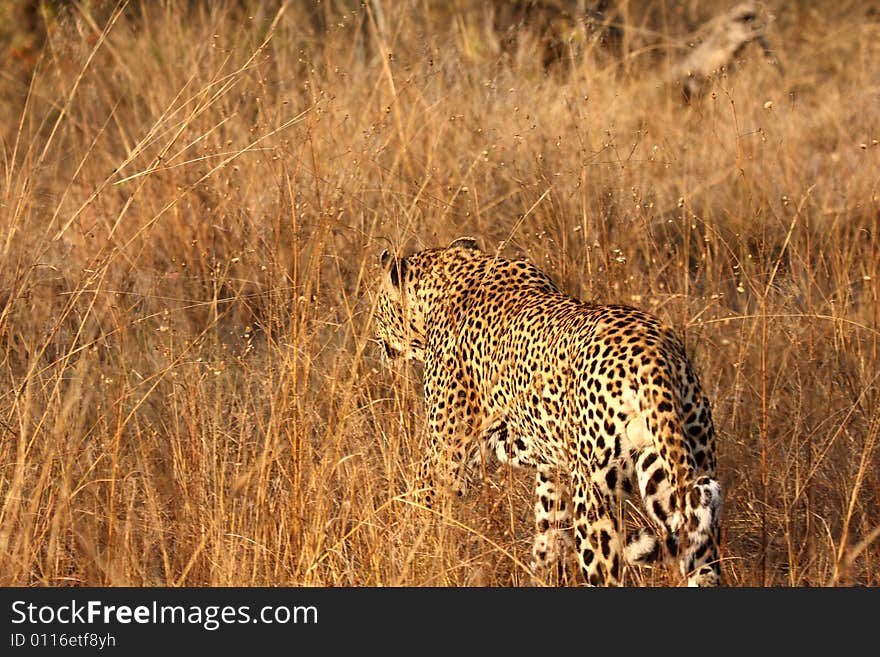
{"x": 443, "y": 469}
{"x": 450, "y": 427}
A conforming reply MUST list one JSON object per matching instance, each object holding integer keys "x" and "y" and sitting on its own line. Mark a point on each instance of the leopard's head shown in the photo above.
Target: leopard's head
{"x": 407, "y": 292}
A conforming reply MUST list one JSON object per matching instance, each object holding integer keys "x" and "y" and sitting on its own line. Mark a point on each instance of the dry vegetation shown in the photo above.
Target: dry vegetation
{"x": 192, "y": 200}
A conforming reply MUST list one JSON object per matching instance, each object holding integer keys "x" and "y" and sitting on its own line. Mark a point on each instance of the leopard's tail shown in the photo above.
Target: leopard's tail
{"x": 642, "y": 547}
{"x": 681, "y": 496}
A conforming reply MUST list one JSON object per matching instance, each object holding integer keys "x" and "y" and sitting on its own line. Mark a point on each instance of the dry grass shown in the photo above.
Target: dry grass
{"x": 191, "y": 205}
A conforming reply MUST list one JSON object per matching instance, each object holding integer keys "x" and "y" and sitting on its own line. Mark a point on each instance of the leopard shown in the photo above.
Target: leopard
{"x": 600, "y": 400}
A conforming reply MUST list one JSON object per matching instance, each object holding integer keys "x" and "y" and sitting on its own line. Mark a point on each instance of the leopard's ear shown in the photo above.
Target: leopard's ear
{"x": 468, "y": 243}
{"x": 398, "y": 267}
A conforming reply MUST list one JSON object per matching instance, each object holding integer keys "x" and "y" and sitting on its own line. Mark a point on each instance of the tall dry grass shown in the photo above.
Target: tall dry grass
{"x": 191, "y": 205}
